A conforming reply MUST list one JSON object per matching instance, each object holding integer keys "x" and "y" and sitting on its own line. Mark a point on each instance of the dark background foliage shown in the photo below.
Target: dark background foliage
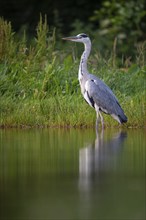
{"x": 26, "y": 12}
{"x": 109, "y": 21}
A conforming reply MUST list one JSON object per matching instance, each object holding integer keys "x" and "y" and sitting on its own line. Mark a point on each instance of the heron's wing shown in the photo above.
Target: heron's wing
{"x": 97, "y": 92}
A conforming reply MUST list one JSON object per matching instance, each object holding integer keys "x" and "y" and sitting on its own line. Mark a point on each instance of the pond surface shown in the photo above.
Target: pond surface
{"x": 72, "y": 174}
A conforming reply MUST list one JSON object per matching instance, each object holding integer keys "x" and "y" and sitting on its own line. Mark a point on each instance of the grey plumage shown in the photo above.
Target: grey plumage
{"x": 96, "y": 93}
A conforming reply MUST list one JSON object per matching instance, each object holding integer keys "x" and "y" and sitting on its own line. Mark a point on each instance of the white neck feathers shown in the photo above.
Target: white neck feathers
{"x": 83, "y": 62}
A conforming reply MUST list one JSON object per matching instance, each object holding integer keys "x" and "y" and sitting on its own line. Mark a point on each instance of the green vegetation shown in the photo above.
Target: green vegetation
{"x": 39, "y": 85}
{"x": 123, "y": 20}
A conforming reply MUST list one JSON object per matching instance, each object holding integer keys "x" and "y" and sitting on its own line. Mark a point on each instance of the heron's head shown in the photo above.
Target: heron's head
{"x": 83, "y": 38}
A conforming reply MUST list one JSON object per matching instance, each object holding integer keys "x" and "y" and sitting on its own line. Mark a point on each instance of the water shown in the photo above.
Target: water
{"x": 72, "y": 174}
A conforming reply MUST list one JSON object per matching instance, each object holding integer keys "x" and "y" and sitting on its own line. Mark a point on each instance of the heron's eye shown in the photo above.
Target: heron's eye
{"x": 83, "y": 35}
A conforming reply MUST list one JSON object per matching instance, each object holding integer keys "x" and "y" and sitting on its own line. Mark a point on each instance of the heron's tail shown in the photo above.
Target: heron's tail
{"x": 120, "y": 115}
{"x": 122, "y": 118}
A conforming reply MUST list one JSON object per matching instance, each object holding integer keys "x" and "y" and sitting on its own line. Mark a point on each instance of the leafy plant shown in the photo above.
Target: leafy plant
{"x": 123, "y": 20}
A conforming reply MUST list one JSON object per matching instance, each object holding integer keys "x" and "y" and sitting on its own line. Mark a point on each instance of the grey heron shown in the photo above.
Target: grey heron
{"x": 96, "y": 93}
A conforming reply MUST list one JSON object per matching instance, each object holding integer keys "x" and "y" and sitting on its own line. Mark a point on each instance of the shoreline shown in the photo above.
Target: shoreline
{"x": 70, "y": 127}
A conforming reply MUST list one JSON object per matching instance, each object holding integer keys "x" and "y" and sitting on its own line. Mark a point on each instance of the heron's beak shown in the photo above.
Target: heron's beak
{"x": 73, "y": 38}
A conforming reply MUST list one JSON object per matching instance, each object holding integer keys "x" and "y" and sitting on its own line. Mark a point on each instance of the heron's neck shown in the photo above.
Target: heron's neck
{"x": 83, "y": 62}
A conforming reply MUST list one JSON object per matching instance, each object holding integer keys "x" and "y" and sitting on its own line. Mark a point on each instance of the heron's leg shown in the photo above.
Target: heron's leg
{"x": 97, "y": 119}
{"x": 99, "y": 133}
{"x": 102, "y": 120}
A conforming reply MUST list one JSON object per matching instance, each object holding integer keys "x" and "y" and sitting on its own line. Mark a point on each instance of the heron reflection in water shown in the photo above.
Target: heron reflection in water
{"x": 99, "y": 157}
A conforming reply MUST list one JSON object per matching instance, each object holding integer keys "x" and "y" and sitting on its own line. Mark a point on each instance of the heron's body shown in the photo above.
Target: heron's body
{"x": 96, "y": 93}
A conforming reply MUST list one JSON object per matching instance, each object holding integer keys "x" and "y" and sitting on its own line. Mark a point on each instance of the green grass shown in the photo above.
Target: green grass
{"x": 39, "y": 85}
